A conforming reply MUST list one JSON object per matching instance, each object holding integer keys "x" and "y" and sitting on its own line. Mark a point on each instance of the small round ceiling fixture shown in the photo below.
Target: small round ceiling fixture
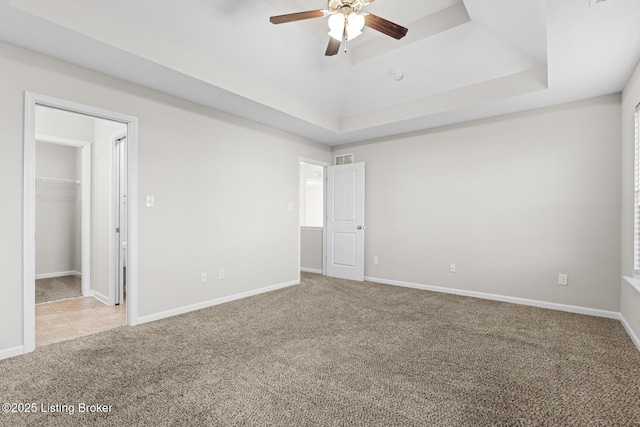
{"x": 397, "y": 74}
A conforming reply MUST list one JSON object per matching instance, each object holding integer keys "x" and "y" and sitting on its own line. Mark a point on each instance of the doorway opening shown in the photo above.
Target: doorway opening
{"x": 63, "y": 194}
{"x": 92, "y": 187}
{"x": 312, "y": 215}
{"x": 332, "y": 218}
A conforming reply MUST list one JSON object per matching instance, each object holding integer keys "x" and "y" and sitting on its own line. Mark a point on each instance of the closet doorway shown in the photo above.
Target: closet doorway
{"x": 63, "y": 194}
{"x": 71, "y": 285}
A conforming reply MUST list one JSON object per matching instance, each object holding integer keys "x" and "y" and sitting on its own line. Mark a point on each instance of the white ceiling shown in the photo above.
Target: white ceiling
{"x": 462, "y": 60}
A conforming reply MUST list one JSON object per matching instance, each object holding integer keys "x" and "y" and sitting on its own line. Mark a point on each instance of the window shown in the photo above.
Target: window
{"x": 636, "y": 198}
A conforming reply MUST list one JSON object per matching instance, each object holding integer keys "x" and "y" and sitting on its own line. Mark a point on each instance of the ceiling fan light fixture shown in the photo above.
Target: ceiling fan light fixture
{"x": 355, "y": 24}
{"x": 351, "y": 35}
{"x": 337, "y": 22}
{"x": 336, "y": 35}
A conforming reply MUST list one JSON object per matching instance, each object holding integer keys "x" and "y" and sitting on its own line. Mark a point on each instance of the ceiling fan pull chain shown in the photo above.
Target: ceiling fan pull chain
{"x": 344, "y": 36}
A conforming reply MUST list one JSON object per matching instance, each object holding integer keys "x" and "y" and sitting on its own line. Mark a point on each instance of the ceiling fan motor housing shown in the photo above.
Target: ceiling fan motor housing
{"x": 346, "y": 6}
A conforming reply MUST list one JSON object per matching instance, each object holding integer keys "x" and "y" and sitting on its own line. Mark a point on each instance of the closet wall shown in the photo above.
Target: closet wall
{"x": 57, "y": 211}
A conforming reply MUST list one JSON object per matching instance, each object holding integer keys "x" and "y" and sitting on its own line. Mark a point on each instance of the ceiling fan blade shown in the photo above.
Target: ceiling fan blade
{"x": 299, "y": 16}
{"x": 333, "y": 47}
{"x": 386, "y": 27}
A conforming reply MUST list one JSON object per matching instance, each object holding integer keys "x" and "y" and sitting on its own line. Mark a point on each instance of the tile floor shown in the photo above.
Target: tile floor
{"x": 73, "y": 318}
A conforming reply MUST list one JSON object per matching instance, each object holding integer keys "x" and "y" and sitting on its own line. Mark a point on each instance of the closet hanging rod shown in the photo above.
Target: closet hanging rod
{"x": 57, "y": 180}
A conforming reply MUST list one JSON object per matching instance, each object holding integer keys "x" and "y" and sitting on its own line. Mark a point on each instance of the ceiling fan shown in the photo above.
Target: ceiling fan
{"x": 345, "y": 22}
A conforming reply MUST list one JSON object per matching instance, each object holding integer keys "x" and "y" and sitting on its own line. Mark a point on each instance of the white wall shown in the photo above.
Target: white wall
{"x": 513, "y": 201}
{"x": 222, "y": 186}
{"x": 629, "y": 297}
{"x": 56, "y": 205}
{"x": 62, "y": 124}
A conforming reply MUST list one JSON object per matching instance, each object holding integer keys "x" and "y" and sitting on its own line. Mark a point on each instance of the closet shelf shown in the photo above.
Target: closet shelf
{"x": 57, "y": 180}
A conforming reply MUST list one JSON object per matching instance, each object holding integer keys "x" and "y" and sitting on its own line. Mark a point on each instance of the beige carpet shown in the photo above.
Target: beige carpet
{"x": 333, "y": 352}
{"x": 58, "y": 288}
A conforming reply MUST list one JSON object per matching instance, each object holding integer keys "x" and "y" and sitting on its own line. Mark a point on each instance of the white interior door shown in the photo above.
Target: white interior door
{"x": 121, "y": 210}
{"x": 345, "y": 221}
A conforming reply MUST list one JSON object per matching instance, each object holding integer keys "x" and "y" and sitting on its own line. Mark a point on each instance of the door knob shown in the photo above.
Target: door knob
{"x": 362, "y": 227}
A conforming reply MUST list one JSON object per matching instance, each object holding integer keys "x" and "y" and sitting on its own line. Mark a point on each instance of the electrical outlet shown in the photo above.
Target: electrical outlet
{"x": 203, "y": 277}
{"x": 452, "y": 268}
{"x": 375, "y": 260}
{"x": 563, "y": 279}
{"x": 221, "y": 274}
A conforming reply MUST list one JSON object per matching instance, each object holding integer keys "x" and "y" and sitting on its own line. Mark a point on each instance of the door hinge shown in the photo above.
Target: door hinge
{"x": 117, "y": 229}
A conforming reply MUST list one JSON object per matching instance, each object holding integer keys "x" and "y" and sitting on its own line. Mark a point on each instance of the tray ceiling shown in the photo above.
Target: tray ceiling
{"x": 461, "y": 60}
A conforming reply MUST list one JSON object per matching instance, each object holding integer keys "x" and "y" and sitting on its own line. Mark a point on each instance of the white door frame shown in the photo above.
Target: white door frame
{"x": 324, "y": 210}
{"x": 114, "y": 240}
{"x": 85, "y": 186}
{"x": 31, "y": 100}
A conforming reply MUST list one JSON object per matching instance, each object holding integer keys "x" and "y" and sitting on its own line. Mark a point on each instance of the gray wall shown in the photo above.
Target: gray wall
{"x": 629, "y": 297}
{"x": 311, "y": 249}
{"x": 222, "y": 187}
{"x": 513, "y": 201}
{"x": 56, "y": 209}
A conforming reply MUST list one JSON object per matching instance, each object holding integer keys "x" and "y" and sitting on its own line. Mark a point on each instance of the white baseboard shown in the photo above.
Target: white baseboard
{"x": 11, "y": 352}
{"x": 58, "y": 274}
{"x": 630, "y": 332}
{"x": 503, "y": 298}
{"x": 211, "y": 303}
{"x": 310, "y": 270}
{"x": 100, "y": 297}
